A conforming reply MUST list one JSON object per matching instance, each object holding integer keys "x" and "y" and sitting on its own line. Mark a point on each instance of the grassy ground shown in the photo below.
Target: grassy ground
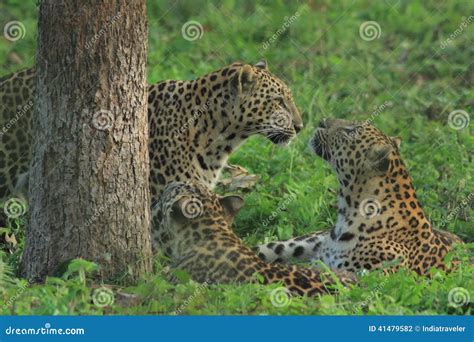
{"x": 408, "y": 79}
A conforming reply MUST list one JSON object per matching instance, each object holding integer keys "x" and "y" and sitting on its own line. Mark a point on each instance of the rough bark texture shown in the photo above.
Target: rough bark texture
{"x": 88, "y": 186}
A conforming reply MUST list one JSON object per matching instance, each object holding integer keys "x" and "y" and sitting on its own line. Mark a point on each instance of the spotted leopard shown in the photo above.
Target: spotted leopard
{"x": 379, "y": 216}
{"x": 194, "y": 125}
{"x": 200, "y": 240}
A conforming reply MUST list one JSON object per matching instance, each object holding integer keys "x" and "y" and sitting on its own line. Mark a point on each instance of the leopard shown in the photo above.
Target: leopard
{"x": 198, "y": 225}
{"x": 16, "y": 118}
{"x": 380, "y": 222}
{"x": 194, "y": 125}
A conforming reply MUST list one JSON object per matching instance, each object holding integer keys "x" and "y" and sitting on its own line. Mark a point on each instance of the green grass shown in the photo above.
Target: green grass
{"x": 332, "y": 73}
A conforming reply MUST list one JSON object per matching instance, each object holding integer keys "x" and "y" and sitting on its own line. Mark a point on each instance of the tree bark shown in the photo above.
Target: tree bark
{"x": 88, "y": 185}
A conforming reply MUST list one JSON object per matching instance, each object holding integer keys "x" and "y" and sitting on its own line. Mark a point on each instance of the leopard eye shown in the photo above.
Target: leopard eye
{"x": 349, "y": 130}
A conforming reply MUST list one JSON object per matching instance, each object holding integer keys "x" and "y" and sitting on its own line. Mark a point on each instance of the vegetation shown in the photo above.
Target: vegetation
{"x": 408, "y": 81}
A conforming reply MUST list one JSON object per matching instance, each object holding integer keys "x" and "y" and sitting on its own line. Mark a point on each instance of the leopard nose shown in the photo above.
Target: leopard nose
{"x": 298, "y": 127}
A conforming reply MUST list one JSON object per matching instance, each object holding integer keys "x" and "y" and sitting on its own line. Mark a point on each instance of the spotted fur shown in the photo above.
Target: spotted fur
{"x": 379, "y": 216}
{"x": 194, "y": 125}
{"x": 16, "y": 110}
{"x": 200, "y": 241}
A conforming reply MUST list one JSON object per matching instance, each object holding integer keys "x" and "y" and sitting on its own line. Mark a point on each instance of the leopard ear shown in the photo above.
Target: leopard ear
{"x": 244, "y": 80}
{"x": 379, "y": 157}
{"x": 232, "y": 205}
{"x": 397, "y": 141}
{"x": 262, "y": 64}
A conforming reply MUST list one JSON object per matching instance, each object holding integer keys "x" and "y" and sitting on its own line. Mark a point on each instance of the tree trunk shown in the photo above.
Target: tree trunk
{"x": 88, "y": 185}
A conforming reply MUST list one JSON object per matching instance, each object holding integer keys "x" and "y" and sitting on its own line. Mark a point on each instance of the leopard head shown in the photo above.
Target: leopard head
{"x": 192, "y": 205}
{"x": 355, "y": 149}
{"x": 264, "y": 104}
